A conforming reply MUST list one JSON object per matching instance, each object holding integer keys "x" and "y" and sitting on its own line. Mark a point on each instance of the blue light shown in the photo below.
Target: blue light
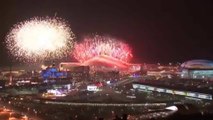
{"x": 52, "y": 73}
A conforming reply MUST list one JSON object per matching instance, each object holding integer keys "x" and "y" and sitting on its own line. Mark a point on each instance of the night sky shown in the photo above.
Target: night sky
{"x": 158, "y": 31}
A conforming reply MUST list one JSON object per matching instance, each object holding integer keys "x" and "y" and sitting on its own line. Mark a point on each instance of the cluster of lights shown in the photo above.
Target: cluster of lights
{"x": 91, "y": 47}
{"x": 51, "y": 38}
{"x": 40, "y": 38}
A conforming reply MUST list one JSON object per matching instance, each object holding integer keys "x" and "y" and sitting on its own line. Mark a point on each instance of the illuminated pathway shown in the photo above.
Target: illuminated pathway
{"x": 106, "y": 104}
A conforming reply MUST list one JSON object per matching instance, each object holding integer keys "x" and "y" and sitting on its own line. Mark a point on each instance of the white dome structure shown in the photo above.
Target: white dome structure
{"x": 198, "y": 64}
{"x": 197, "y": 69}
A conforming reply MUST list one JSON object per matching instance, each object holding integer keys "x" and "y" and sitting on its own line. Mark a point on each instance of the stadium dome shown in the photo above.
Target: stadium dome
{"x": 198, "y": 64}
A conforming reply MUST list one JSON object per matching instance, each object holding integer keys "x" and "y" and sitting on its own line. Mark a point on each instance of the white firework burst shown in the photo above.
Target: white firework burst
{"x": 39, "y": 39}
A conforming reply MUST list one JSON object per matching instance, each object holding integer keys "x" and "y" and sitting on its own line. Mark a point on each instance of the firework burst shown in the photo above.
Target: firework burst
{"x": 39, "y": 39}
{"x": 101, "y": 45}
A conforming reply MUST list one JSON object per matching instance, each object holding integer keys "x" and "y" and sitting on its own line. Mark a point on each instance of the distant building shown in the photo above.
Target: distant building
{"x": 197, "y": 69}
{"x": 106, "y": 63}
{"x": 53, "y": 73}
{"x": 95, "y": 87}
{"x": 92, "y": 88}
{"x": 176, "y": 91}
{"x": 103, "y": 63}
{"x": 76, "y": 71}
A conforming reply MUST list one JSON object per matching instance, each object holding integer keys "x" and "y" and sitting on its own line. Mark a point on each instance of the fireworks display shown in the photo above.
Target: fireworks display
{"x": 102, "y": 45}
{"x": 39, "y": 39}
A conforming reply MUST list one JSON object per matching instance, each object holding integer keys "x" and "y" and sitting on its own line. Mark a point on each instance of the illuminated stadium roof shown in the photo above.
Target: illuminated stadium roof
{"x": 104, "y": 63}
{"x": 198, "y": 64}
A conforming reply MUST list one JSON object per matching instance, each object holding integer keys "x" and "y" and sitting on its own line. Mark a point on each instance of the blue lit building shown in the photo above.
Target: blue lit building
{"x": 53, "y": 73}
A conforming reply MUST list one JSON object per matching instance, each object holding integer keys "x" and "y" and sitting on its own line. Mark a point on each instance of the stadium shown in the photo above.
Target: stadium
{"x": 103, "y": 63}
{"x": 197, "y": 69}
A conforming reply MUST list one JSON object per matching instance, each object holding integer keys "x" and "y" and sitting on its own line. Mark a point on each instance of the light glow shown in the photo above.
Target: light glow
{"x": 40, "y": 38}
{"x": 102, "y": 45}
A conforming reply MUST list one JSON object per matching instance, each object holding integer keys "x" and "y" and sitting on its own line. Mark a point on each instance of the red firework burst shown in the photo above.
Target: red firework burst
{"x": 102, "y": 45}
